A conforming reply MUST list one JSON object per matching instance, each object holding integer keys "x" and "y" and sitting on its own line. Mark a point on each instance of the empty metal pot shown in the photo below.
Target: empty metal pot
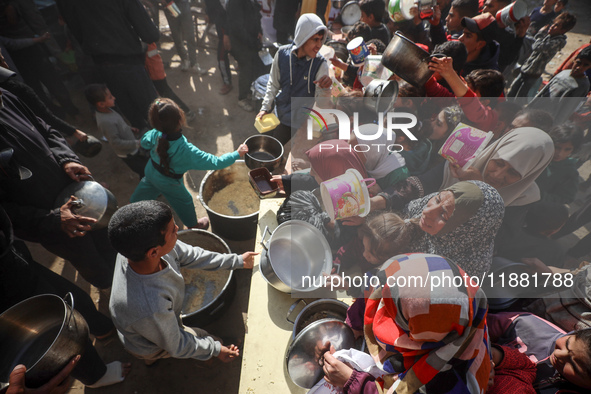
{"x": 263, "y": 151}
{"x": 303, "y": 355}
{"x": 44, "y": 333}
{"x": 92, "y": 200}
{"x": 325, "y": 308}
{"x": 407, "y": 60}
{"x": 379, "y": 94}
{"x": 296, "y": 251}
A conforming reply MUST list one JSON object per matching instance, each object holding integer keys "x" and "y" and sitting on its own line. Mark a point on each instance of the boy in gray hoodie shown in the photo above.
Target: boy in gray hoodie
{"x": 148, "y": 288}
{"x": 297, "y": 71}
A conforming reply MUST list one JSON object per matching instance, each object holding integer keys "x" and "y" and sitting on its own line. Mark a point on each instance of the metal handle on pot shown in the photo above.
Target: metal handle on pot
{"x": 263, "y": 237}
{"x": 292, "y": 307}
{"x": 71, "y": 305}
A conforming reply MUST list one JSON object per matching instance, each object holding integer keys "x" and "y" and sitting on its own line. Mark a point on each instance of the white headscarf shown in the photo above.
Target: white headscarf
{"x": 529, "y": 151}
{"x": 380, "y": 162}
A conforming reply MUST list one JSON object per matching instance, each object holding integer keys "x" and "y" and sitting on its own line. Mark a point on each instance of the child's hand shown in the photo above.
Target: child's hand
{"x": 324, "y": 82}
{"x": 228, "y": 353}
{"x": 372, "y": 49}
{"x": 261, "y": 114}
{"x": 248, "y": 258}
{"x": 444, "y": 66}
{"x": 436, "y": 18}
{"x": 521, "y": 26}
{"x": 338, "y": 63}
{"x": 242, "y": 150}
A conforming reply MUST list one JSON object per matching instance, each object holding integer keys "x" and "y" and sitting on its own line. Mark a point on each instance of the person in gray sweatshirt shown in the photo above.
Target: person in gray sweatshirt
{"x": 148, "y": 287}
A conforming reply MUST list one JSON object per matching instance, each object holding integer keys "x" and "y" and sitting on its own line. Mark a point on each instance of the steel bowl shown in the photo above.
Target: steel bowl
{"x": 303, "y": 355}
{"x": 263, "y": 151}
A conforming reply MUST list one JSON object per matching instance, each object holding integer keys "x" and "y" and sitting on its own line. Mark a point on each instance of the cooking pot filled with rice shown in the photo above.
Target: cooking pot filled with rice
{"x": 207, "y": 293}
{"x": 230, "y": 201}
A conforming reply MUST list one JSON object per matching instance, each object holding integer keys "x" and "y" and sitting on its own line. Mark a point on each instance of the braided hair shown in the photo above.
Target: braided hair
{"x": 166, "y": 117}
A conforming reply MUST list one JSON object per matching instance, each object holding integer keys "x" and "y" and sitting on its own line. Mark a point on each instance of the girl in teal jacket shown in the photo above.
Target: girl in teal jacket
{"x": 171, "y": 155}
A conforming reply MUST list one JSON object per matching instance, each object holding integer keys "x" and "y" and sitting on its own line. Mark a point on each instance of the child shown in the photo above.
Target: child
{"x": 563, "y": 360}
{"x": 547, "y": 43}
{"x": 155, "y": 68}
{"x": 119, "y": 134}
{"x": 560, "y": 180}
{"x": 298, "y": 70}
{"x": 476, "y": 95}
{"x": 559, "y": 96}
{"x": 541, "y": 17}
{"x": 171, "y": 155}
{"x": 148, "y": 287}
{"x": 372, "y": 13}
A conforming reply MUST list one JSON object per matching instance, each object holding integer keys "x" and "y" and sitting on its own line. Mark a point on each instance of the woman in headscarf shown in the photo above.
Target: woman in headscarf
{"x": 426, "y": 338}
{"x": 460, "y": 223}
{"x": 510, "y": 165}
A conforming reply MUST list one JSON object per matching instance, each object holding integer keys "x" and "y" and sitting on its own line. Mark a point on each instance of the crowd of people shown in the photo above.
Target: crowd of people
{"x": 427, "y": 214}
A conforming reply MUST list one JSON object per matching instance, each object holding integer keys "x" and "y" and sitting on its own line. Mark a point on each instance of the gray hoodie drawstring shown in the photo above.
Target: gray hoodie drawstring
{"x": 309, "y": 72}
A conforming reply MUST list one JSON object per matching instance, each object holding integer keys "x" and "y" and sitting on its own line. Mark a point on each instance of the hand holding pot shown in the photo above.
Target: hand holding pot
{"x": 59, "y": 384}
{"x": 242, "y": 150}
{"x": 248, "y": 258}
{"x": 336, "y": 372}
{"x": 72, "y": 224}
{"x": 77, "y": 171}
{"x": 324, "y": 82}
{"x": 229, "y": 353}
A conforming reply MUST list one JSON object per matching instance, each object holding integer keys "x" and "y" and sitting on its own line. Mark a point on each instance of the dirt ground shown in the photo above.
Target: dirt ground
{"x": 221, "y": 126}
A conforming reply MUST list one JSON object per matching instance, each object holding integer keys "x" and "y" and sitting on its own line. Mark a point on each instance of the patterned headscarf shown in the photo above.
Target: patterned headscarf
{"x": 427, "y": 336}
{"x": 471, "y": 244}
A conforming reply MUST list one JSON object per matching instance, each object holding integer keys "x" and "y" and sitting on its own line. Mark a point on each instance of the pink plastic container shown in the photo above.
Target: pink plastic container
{"x": 464, "y": 143}
{"x": 346, "y": 195}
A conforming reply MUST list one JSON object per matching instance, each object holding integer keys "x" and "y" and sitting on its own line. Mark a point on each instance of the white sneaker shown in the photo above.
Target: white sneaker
{"x": 196, "y": 69}
{"x": 185, "y": 65}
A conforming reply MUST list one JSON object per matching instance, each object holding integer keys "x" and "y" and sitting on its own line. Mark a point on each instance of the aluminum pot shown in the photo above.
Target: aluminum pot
{"x": 338, "y": 4}
{"x": 407, "y": 60}
{"x": 303, "y": 354}
{"x": 43, "y": 333}
{"x": 92, "y": 200}
{"x": 295, "y": 250}
{"x": 325, "y": 308}
{"x": 238, "y": 228}
{"x": 263, "y": 151}
{"x": 216, "y": 288}
{"x": 379, "y": 94}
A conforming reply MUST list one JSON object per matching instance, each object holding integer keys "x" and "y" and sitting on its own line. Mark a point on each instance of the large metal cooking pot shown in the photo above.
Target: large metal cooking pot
{"x": 43, "y": 333}
{"x": 263, "y": 151}
{"x": 303, "y": 355}
{"x": 407, "y": 60}
{"x": 379, "y": 94}
{"x": 207, "y": 293}
{"x": 92, "y": 200}
{"x": 237, "y": 228}
{"x": 325, "y": 308}
{"x": 295, "y": 250}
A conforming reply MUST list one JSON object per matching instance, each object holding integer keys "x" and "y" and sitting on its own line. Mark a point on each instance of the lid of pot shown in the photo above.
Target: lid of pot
{"x": 303, "y": 355}
{"x": 350, "y": 13}
{"x": 93, "y": 200}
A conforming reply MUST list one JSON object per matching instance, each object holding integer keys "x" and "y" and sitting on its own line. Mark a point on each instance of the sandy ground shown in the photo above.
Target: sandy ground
{"x": 220, "y": 127}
